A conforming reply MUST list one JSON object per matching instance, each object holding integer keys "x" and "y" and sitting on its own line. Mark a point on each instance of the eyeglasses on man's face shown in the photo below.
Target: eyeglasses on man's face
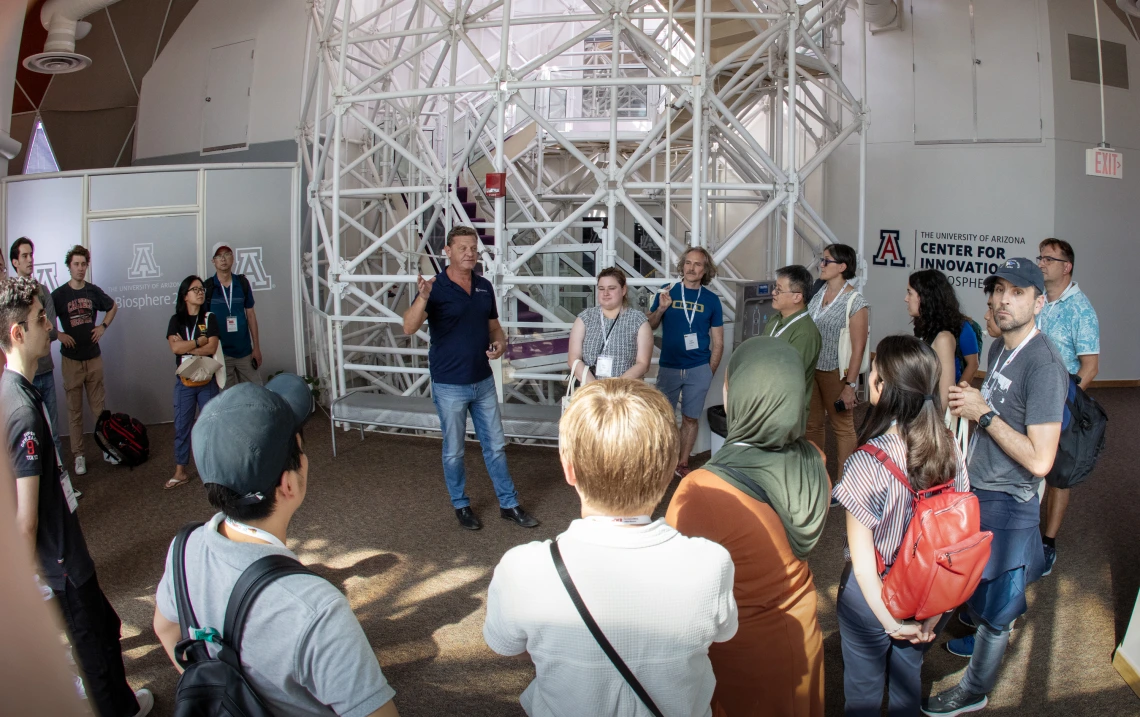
{"x": 776, "y": 291}
{"x": 1043, "y": 259}
{"x": 41, "y": 318}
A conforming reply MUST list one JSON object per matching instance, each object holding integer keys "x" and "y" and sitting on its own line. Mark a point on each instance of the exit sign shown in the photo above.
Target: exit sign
{"x": 1104, "y": 163}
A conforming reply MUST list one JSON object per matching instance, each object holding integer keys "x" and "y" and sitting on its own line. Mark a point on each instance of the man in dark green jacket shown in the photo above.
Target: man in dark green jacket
{"x": 793, "y": 323}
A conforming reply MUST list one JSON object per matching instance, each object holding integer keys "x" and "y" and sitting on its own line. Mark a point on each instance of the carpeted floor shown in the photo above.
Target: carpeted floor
{"x": 378, "y": 524}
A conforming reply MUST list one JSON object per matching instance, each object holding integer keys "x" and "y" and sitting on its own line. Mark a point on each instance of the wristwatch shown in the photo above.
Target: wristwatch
{"x": 986, "y": 419}
{"x": 854, "y": 385}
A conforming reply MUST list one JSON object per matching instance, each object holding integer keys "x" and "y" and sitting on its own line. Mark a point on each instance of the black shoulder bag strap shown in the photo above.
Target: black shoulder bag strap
{"x": 596, "y": 631}
{"x": 761, "y": 494}
{"x": 253, "y": 580}
{"x": 186, "y": 618}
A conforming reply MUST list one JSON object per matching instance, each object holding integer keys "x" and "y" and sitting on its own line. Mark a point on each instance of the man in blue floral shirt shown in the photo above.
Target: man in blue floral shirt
{"x": 1070, "y": 322}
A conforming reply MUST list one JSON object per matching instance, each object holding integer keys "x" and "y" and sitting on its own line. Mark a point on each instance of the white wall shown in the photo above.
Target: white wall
{"x": 11, "y": 29}
{"x": 1099, "y": 216}
{"x": 173, "y": 91}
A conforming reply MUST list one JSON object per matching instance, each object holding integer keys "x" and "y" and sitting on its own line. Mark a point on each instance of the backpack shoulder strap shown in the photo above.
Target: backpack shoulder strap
{"x": 596, "y": 631}
{"x": 253, "y": 580}
{"x": 245, "y": 286}
{"x": 740, "y": 476}
{"x": 881, "y": 456}
{"x": 186, "y": 618}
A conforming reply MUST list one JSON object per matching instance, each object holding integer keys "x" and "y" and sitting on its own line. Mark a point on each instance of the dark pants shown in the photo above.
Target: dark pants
{"x": 188, "y": 400}
{"x": 869, "y": 655}
{"x": 94, "y": 628}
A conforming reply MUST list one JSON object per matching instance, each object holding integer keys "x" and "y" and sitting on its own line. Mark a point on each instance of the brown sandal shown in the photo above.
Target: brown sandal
{"x": 174, "y": 483}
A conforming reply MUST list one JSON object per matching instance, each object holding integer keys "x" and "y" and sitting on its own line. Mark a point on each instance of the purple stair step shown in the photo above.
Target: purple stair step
{"x": 461, "y": 194}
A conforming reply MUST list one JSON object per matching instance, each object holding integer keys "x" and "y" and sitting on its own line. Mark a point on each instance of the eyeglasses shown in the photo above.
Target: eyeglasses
{"x": 776, "y": 291}
{"x": 824, "y": 262}
{"x": 224, "y": 255}
{"x": 1041, "y": 259}
{"x": 196, "y": 290}
{"x": 41, "y": 319}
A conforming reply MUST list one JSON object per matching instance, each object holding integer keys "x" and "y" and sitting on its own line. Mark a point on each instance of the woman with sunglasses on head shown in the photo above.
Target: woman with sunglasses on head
{"x": 836, "y": 305}
{"x": 905, "y": 422}
{"x": 191, "y": 332}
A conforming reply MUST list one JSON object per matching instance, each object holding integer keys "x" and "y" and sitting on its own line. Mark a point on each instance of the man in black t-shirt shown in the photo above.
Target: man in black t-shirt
{"x": 77, "y": 304}
{"x": 45, "y": 507}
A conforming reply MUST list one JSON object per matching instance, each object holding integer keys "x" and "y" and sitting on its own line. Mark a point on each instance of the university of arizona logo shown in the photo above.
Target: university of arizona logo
{"x": 143, "y": 265}
{"x": 248, "y": 261}
{"x": 890, "y": 251}
{"x": 45, "y": 274}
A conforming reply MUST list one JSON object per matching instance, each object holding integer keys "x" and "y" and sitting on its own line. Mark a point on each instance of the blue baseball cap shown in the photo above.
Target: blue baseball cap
{"x": 1022, "y": 271}
{"x": 241, "y": 440}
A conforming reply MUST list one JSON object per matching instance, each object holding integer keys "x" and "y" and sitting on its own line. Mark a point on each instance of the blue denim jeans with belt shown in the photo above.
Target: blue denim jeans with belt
{"x": 453, "y": 401}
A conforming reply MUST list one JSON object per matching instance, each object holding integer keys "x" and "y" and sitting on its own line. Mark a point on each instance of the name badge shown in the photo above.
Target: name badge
{"x": 604, "y": 367}
{"x": 231, "y": 324}
{"x": 691, "y": 343}
{"x": 68, "y": 491}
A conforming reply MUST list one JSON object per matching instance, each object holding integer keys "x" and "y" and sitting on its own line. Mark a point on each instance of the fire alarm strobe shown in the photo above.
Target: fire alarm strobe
{"x": 496, "y": 184}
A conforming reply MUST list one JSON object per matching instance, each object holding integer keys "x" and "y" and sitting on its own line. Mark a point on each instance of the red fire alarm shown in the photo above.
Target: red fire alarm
{"x": 496, "y": 184}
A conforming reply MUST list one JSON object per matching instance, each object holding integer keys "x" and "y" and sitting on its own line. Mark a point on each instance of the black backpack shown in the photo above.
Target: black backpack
{"x": 217, "y": 687}
{"x": 1082, "y": 438}
{"x": 123, "y": 438}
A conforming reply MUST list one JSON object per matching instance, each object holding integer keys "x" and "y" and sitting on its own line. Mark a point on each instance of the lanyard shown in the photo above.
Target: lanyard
{"x": 192, "y": 333}
{"x": 228, "y": 297}
{"x": 253, "y": 532}
{"x": 621, "y": 520}
{"x": 685, "y": 304}
{"x": 785, "y": 326}
{"x": 606, "y": 339}
{"x": 1010, "y": 358}
{"x": 822, "y": 311}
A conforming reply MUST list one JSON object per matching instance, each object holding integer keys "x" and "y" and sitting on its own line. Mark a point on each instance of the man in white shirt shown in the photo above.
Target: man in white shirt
{"x": 658, "y": 597}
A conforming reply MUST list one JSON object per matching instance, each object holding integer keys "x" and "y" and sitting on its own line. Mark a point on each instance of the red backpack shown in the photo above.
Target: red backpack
{"x": 943, "y": 552}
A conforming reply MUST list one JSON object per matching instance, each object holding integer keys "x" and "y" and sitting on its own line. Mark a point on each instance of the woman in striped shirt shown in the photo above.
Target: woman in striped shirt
{"x": 906, "y": 422}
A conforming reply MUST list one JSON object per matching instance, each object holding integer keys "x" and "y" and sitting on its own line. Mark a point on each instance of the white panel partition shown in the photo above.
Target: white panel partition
{"x": 149, "y": 228}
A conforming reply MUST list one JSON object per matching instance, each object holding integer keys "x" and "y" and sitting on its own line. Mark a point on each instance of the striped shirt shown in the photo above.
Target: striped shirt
{"x": 622, "y": 343}
{"x": 878, "y": 500}
{"x": 830, "y": 322}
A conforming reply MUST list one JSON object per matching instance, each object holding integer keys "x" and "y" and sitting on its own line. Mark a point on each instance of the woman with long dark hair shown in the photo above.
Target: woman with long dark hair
{"x": 906, "y": 422}
{"x": 191, "y": 332}
{"x": 933, "y": 307}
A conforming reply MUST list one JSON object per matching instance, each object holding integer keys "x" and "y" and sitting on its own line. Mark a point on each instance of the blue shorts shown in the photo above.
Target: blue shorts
{"x": 690, "y": 384}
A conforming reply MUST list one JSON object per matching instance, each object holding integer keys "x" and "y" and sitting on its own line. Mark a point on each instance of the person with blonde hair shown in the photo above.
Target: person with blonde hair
{"x": 657, "y": 598}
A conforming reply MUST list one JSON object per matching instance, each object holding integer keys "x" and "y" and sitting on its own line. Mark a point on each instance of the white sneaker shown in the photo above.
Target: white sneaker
{"x": 80, "y": 466}
{"x": 146, "y": 702}
{"x": 110, "y": 458}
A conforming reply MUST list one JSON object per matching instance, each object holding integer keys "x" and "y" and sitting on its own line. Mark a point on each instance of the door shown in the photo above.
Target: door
{"x": 225, "y": 118}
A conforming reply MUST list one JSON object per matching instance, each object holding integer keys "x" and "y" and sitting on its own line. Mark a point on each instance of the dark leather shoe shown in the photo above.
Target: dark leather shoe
{"x": 518, "y": 515}
{"x": 467, "y": 518}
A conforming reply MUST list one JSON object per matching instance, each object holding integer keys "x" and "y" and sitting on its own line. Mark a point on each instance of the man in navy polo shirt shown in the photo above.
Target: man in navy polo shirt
{"x": 463, "y": 321}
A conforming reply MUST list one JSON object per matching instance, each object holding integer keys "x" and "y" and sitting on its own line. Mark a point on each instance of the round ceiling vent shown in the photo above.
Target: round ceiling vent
{"x": 55, "y": 63}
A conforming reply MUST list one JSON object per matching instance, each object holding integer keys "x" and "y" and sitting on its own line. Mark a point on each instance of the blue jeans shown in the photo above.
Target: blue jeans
{"x": 186, "y": 400}
{"x": 869, "y": 654}
{"x": 452, "y": 403}
{"x": 45, "y": 384}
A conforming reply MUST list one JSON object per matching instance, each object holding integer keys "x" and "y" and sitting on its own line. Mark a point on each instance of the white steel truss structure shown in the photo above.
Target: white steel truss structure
{"x": 627, "y": 130}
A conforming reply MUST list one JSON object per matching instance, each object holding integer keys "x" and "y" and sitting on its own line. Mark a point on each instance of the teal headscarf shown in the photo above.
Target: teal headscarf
{"x": 766, "y": 404}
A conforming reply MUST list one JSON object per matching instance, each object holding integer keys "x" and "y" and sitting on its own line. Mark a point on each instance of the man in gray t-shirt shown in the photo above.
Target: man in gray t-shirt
{"x": 1018, "y": 411}
{"x": 302, "y": 649}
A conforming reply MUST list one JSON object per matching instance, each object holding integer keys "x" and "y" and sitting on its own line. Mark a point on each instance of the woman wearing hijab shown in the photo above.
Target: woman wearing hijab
{"x": 764, "y": 497}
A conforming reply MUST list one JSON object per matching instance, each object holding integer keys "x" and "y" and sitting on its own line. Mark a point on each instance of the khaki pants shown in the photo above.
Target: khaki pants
{"x": 824, "y": 394}
{"x": 239, "y": 370}
{"x": 77, "y": 376}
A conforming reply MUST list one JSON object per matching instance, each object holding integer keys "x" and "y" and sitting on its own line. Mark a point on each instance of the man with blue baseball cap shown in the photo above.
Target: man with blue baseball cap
{"x": 302, "y": 649}
{"x": 1018, "y": 412}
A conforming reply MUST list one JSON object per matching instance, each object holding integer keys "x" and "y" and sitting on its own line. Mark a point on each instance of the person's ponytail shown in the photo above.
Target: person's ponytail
{"x": 930, "y": 454}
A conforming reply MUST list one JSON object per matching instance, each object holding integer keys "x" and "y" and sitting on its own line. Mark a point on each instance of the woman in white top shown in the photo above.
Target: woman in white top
{"x": 906, "y": 423}
{"x": 831, "y": 308}
{"x": 609, "y": 340}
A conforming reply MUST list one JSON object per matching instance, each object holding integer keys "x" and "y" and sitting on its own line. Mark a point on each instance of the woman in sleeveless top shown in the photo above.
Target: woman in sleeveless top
{"x": 610, "y": 340}
{"x": 830, "y": 308}
{"x": 906, "y": 423}
{"x": 933, "y": 308}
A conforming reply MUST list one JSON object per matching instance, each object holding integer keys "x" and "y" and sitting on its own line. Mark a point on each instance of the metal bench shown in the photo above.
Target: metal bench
{"x": 367, "y": 407}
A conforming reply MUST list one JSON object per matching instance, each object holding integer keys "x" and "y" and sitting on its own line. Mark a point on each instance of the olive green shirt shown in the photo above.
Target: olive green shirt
{"x": 804, "y": 337}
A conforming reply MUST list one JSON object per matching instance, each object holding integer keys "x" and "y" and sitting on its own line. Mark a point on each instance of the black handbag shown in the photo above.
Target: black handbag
{"x": 596, "y": 631}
